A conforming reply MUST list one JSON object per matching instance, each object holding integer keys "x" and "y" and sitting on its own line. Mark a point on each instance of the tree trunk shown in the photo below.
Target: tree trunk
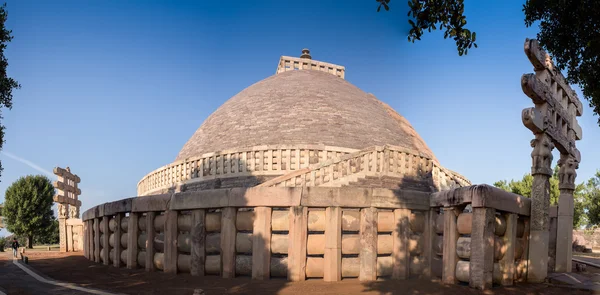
{"x": 30, "y": 241}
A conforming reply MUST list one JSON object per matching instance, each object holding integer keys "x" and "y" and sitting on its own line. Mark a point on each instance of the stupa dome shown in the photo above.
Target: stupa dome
{"x": 303, "y": 107}
{"x": 304, "y": 126}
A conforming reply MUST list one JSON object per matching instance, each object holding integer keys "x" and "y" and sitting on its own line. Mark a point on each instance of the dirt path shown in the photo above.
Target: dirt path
{"x": 76, "y": 269}
{"x": 14, "y": 280}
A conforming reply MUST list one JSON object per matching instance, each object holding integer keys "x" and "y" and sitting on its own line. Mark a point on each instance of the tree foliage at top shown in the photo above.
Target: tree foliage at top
{"x": 28, "y": 207}
{"x": 7, "y": 84}
{"x": 569, "y": 31}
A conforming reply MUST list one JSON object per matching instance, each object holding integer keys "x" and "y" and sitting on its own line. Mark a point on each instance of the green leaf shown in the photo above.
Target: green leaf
{"x": 474, "y": 36}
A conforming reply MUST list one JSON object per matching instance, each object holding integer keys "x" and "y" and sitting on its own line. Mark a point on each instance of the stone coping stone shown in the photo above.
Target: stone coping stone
{"x": 347, "y": 197}
{"x": 482, "y": 196}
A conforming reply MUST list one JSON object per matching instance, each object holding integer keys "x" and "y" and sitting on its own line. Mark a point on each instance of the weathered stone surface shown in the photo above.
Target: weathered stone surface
{"x": 261, "y": 244}
{"x": 245, "y": 220}
{"x": 198, "y": 233}
{"x": 316, "y": 220}
{"x": 400, "y": 252}
{"x": 350, "y": 220}
{"x": 482, "y": 248}
{"x": 150, "y": 203}
{"x": 417, "y": 222}
{"x": 227, "y": 245}
{"x": 333, "y": 244}
{"x": 464, "y": 223}
{"x": 415, "y": 244}
{"x": 350, "y": 267}
{"x": 507, "y": 264}
{"x": 386, "y": 221}
{"x": 279, "y": 244}
{"x": 368, "y": 245}
{"x": 243, "y": 243}
{"x": 280, "y": 220}
{"x": 279, "y": 267}
{"x": 213, "y": 221}
{"x": 315, "y": 267}
{"x": 384, "y": 266}
{"x": 132, "y": 239}
{"x": 213, "y": 242}
{"x": 385, "y": 244}
{"x": 297, "y": 248}
{"x": 450, "y": 247}
{"x": 213, "y": 264}
{"x": 243, "y": 265}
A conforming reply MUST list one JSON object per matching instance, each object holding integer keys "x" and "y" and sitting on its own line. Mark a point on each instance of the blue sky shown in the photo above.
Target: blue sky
{"x": 114, "y": 89}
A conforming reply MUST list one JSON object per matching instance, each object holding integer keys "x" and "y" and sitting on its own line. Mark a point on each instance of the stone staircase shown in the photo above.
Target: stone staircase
{"x": 382, "y": 167}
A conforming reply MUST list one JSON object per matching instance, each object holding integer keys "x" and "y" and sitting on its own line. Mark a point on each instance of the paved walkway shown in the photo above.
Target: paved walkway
{"x": 17, "y": 278}
{"x": 589, "y": 281}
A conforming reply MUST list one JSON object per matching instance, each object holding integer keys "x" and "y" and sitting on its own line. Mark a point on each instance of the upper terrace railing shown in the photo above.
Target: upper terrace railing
{"x": 300, "y": 165}
{"x": 260, "y": 160}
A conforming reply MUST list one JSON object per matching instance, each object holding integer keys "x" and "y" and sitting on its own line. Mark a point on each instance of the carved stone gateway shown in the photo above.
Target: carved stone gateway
{"x": 70, "y": 226}
{"x": 553, "y": 121}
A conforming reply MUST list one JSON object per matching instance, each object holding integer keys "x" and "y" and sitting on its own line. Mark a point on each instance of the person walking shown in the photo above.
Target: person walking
{"x": 15, "y": 247}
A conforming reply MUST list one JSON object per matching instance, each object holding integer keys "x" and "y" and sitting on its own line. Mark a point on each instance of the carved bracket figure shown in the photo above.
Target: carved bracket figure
{"x": 567, "y": 172}
{"x": 542, "y": 154}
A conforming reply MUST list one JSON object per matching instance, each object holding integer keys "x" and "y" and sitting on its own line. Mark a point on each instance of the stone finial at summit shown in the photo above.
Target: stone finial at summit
{"x": 306, "y": 54}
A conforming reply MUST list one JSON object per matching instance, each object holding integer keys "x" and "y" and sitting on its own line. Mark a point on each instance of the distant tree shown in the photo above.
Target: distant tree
{"x": 49, "y": 236}
{"x": 591, "y": 191}
{"x": 569, "y": 31}
{"x": 28, "y": 207}
{"x": 523, "y": 187}
{"x": 7, "y": 84}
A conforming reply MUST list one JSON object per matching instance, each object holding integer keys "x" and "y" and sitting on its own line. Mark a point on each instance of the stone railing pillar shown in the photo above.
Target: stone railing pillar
{"x": 507, "y": 263}
{"x": 97, "y": 240}
{"x": 150, "y": 234}
{"x": 332, "y": 270}
{"x": 400, "y": 252}
{"x": 298, "y": 234}
{"x": 171, "y": 241}
{"x": 132, "y": 240}
{"x": 117, "y": 238}
{"x": 481, "y": 262}
{"x": 450, "y": 238}
{"x": 228, "y": 235}
{"x": 368, "y": 245}
{"x": 106, "y": 239}
{"x": 261, "y": 243}
{"x": 198, "y": 253}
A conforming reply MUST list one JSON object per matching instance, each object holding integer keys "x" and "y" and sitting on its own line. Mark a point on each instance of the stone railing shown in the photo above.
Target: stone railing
{"x": 373, "y": 161}
{"x": 293, "y": 233}
{"x": 256, "y": 161}
{"x": 488, "y": 245}
{"x": 288, "y": 63}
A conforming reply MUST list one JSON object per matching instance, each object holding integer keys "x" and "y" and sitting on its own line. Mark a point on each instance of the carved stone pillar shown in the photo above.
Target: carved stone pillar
{"x": 540, "y": 204}
{"x": 564, "y": 238}
{"x": 62, "y": 226}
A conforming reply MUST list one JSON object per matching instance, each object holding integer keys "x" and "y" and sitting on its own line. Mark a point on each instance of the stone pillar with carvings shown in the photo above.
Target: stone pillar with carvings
{"x": 541, "y": 170}
{"x": 564, "y": 236}
{"x": 553, "y": 121}
{"x": 68, "y": 204}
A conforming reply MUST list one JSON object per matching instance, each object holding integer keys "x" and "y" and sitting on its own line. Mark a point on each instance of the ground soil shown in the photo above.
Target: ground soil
{"x": 74, "y": 268}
